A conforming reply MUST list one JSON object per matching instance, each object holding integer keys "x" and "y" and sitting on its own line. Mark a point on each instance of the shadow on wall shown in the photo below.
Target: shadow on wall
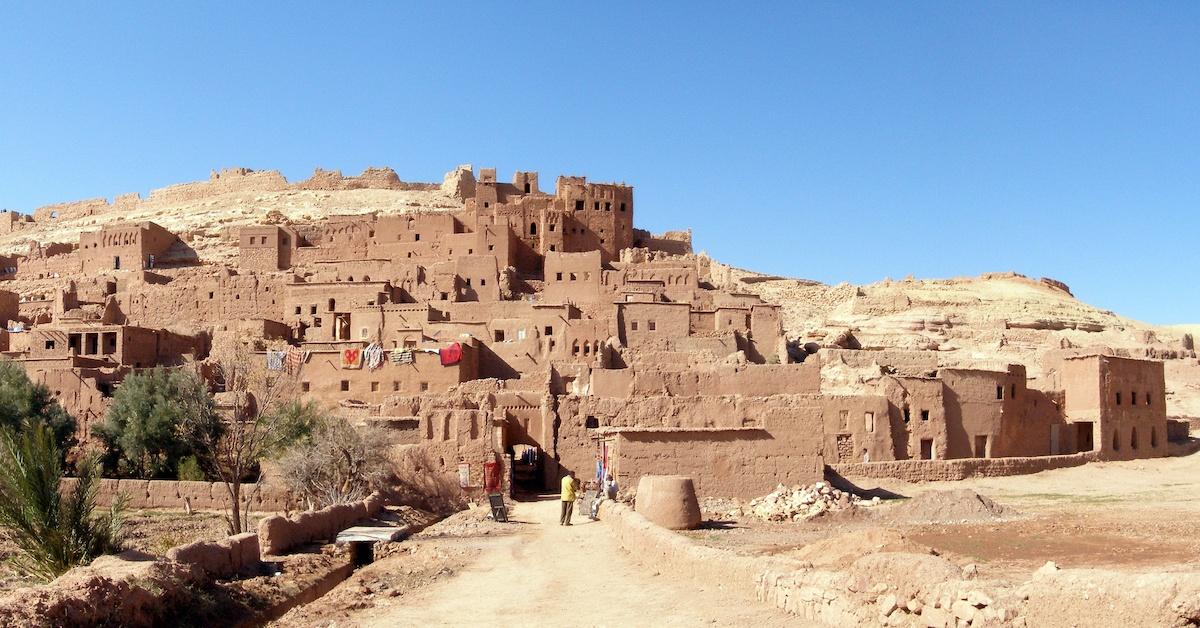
{"x": 842, "y": 484}
{"x": 493, "y": 365}
{"x": 179, "y": 254}
{"x": 420, "y": 479}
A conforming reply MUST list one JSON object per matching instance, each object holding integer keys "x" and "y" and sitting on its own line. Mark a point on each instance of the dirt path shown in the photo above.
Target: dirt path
{"x": 549, "y": 575}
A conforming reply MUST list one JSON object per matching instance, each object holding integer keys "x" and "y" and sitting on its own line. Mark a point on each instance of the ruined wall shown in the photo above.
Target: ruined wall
{"x": 176, "y": 495}
{"x": 947, "y": 470}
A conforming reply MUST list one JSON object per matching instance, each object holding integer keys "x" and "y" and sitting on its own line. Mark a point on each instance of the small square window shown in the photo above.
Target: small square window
{"x": 345, "y": 385}
{"x": 304, "y": 387}
{"x": 483, "y": 282}
{"x": 416, "y": 237}
{"x": 632, "y": 325}
{"x": 499, "y": 335}
{"x": 558, "y": 276}
{"x": 395, "y": 386}
{"x": 651, "y": 325}
{"x": 924, "y": 415}
{"x": 374, "y": 386}
{"x": 552, "y": 226}
{"x": 312, "y": 310}
{"x": 424, "y": 386}
{"x": 491, "y": 247}
{"x": 549, "y": 330}
{"x": 317, "y": 322}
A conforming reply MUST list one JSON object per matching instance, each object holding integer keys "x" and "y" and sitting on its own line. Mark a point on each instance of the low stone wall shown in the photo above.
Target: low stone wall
{"x": 220, "y": 559}
{"x": 278, "y": 534}
{"x": 961, "y": 468}
{"x": 176, "y": 495}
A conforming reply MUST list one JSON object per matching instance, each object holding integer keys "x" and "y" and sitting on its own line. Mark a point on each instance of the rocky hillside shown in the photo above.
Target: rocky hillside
{"x": 994, "y": 319}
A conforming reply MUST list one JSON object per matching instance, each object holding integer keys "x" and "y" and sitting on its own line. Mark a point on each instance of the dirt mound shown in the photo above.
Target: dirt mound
{"x": 950, "y": 507}
{"x": 841, "y": 551}
{"x": 131, "y": 589}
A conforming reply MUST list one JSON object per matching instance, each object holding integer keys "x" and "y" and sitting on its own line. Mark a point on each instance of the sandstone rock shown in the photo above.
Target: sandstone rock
{"x": 1050, "y": 568}
{"x": 963, "y": 610}
{"x": 978, "y": 599}
{"x": 936, "y": 618}
{"x": 886, "y": 604}
{"x": 802, "y": 502}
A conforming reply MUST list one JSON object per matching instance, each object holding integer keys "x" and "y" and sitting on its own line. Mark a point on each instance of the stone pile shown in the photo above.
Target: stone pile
{"x": 799, "y": 503}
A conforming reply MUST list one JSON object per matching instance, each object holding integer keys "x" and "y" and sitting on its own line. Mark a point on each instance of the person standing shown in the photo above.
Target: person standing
{"x": 569, "y": 486}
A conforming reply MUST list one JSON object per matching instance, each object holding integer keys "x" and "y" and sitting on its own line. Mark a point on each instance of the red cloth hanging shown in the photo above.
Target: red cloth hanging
{"x": 491, "y": 477}
{"x": 451, "y": 355}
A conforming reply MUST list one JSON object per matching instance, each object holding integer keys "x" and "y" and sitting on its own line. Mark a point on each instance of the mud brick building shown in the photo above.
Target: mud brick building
{"x": 531, "y": 329}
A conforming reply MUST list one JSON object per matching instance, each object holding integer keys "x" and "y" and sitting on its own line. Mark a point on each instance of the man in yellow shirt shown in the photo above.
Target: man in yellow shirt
{"x": 569, "y": 486}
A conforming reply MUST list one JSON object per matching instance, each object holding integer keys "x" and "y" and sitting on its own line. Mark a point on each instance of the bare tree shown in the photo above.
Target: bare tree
{"x": 337, "y": 463}
{"x": 261, "y": 416}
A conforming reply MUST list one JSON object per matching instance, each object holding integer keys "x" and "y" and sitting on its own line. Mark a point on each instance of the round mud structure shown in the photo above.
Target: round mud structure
{"x": 669, "y": 500}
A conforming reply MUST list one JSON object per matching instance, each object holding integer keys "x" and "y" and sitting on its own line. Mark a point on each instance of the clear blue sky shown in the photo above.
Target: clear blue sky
{"x": 825, "y": 141}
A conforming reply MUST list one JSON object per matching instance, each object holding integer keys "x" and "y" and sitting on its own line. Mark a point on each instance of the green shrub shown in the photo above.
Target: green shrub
{"x": 22, "y": 401}
{"x": 190, "y": 470}
{"x": 155, "y": 421}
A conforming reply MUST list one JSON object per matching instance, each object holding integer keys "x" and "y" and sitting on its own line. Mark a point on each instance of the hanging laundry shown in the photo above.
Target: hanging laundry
{"x": 451, "y": 355}
{"x": 351, "y": 358}
{"x": 275, "y": 360}
{"x": 402, "y": 356}
{"x": 294, "y": 360}
{"x": 373, "y": 356}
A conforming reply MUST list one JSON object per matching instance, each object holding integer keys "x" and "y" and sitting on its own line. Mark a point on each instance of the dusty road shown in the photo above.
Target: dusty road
{"x": 549, "y": 575}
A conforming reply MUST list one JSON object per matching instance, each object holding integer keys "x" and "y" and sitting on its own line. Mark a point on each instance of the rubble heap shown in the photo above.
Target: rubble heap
{"x": 799, "y": 503}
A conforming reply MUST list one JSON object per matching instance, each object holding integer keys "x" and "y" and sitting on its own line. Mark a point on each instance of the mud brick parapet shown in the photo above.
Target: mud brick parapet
{"x": 220, "y": 559}
{"x": 176, "y": 495}
{"x": 278, "y": 534}
{"x": 961, "y": 469}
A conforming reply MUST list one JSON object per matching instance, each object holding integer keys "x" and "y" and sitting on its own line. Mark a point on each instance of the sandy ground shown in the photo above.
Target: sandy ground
{"x": 544, "y": 574}
{"x": 1138, "y": 516}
